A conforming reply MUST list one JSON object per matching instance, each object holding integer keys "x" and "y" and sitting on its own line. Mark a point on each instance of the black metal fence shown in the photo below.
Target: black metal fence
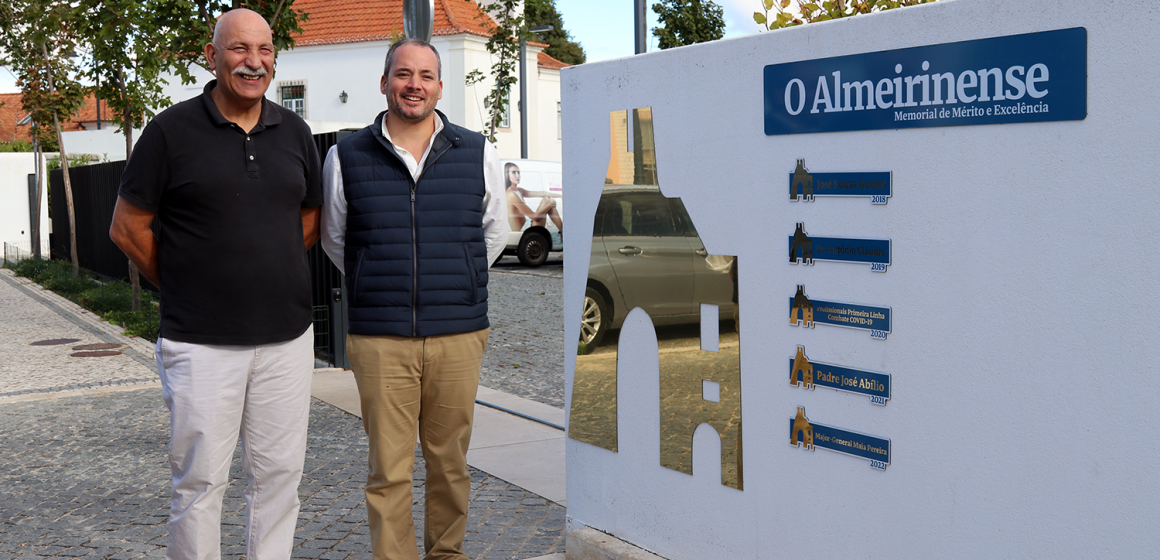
{"x": 94, "y": 197}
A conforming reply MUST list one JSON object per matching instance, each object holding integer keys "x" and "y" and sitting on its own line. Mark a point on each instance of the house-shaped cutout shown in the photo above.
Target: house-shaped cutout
{"x": 683, "y": 369}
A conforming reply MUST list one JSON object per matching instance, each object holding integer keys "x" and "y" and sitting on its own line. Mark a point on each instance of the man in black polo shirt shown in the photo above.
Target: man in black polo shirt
{"x": 234, "y": 182}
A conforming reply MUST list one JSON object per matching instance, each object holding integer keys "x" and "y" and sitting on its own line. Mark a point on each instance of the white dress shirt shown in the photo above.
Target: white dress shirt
{"x": 495, "y": 226}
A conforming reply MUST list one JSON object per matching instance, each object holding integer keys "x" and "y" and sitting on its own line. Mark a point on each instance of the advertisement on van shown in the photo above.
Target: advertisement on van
{"x": 535, "y": 205}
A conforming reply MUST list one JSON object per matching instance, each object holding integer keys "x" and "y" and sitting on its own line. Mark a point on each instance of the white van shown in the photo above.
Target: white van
{"x": 535, "y": 204}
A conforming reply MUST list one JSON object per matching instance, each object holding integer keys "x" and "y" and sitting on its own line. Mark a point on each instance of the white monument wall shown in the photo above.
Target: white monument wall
{"x": 1023, "y": 285}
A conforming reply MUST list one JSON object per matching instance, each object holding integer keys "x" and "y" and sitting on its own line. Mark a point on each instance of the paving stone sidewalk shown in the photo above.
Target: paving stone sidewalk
{"x": 84, "y": 474}
{"x": 87, "y": 476}
{"x": 29, "y": 313}
{"x": 525, "y": 350}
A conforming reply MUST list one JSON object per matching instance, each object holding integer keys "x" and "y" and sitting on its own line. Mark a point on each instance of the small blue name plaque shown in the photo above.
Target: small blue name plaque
{"x": 806, "y": 312}
{"x": 804, "y": 185}
{"x": 806, "y": 249}
{"x": 1034, "y": 77}
{"x": 809, "y": 435}
{"x": 806, "y": 373}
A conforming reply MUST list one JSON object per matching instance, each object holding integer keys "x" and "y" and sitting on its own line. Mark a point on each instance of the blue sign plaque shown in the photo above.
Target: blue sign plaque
{"x": 808, "y": 312}
{"x": 810, "y": 435}
{"x": 1034, "y": 77}
{"x": 809, "y": 374}
{"x": 806, "y": 249}
{"x": 804, "y": 185}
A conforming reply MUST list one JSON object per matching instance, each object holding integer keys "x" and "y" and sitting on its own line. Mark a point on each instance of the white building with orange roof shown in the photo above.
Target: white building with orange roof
{"x": 331, "y": 76}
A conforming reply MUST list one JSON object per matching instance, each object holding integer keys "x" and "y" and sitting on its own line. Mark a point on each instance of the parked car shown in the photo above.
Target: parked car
{"x": 535, "y": 201}
{"x": 646, "y": 253}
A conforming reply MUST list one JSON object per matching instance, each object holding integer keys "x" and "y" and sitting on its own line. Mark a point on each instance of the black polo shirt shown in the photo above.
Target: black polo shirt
{"x": 231, "y": 259}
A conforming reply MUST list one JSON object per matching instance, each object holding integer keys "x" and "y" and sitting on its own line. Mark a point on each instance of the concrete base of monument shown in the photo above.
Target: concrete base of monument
{"x": 587, "y": 543}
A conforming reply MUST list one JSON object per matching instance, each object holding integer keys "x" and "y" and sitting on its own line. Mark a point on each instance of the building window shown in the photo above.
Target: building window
{"x": 505, "y": 120}
{"x": 559, "y": 122}
{"x": 292, "y": 95}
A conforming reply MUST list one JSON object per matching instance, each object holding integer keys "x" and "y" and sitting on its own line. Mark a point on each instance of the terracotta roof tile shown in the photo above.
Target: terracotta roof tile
{"x": 12, "y": 112}
{"x": 547, "y": 61}
{"x": 356, "y": 21}
{"x": 88, "y": 113}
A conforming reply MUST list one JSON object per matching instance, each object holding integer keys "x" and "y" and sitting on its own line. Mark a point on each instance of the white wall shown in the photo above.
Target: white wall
{"x": 106, "y": 142}
{"x": 548, "y": 145}
{"x": 1023, "y": 351}
{"x": 356, "y": 68}
{"x": 14, "y": 211}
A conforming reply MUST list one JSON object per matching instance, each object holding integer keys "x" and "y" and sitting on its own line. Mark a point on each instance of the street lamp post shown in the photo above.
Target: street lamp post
{"x": 641, "y": 36}
{"x": 524, "y": 89}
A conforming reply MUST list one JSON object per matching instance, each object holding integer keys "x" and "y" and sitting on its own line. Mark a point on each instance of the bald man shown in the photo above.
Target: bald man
{"x": 234, "y": 182}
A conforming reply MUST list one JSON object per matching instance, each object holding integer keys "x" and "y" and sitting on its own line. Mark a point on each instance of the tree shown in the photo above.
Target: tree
{"x": 39, "y": 39}
{"x": 192, "y": 23}
{"x": 560, "y": 44}
{"x": 124, "y": 60}
{"x": 507, "y": 29}
{"x": 686, "y": 22}
{"x": 811, "y": 12}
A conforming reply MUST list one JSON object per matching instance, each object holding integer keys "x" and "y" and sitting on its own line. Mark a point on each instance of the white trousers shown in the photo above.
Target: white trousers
{"x": 216, "y": 394}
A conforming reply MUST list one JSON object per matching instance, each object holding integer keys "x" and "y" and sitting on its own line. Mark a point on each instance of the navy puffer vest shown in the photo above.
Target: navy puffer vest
{"x": 415, "y": 256}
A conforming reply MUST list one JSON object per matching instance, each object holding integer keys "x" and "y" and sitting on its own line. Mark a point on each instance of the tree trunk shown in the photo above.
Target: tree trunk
{"x": 38, "y": 169}
{"x": 127, "y": 126}
{"x": 126, "y": 115}
{"x": 128, "y": 134}
{"x": 68, "y": 196}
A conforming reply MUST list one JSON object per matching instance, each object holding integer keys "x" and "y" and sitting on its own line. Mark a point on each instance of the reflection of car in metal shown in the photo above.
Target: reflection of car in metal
{"x": 535, "y": 209}
{"x": 646, "y": 253}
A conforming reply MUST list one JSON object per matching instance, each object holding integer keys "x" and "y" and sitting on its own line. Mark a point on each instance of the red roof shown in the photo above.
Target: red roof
{"x": 546, "y": 61}
{"x": 13, "y": 112}
{"x": 10, "y": 113}
{"x": 88, "y": 113}
{"x": 356, "y": 21}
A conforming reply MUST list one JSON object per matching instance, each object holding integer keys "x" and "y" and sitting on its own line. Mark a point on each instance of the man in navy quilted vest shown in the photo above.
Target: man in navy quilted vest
{"x": 414, "y": 214}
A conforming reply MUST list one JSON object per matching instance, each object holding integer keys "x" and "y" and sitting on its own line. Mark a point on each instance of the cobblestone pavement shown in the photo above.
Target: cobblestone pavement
{"x": 525, "y": 351}
{"x": 87, "y": 476}
{"x": 84, "y": 474}
{"x": 29, "y": 313}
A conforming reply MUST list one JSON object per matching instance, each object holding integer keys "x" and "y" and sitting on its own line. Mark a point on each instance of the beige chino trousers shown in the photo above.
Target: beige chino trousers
{"x": 425, "y": 387}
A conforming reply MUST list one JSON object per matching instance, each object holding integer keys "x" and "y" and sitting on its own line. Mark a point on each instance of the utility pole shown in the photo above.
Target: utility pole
{"x": 524, "y": 89}
{"x": 641, "y": 24}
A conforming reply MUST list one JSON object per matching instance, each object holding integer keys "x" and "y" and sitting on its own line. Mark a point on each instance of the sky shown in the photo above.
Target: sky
{"x": 603, "y": 27}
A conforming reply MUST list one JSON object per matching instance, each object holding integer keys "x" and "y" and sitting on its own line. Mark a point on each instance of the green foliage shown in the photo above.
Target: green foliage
{"x": 56, "y": 276}
{"x": 16, "y": 146}
{"x": 38, "y": 39}
{"x": 34, "y": 269}
{"x": 144, "y": 323}
{"x": 811, "y": 11}
{"x": 108, "y": 297}
{"x": 68, "y": 285}
{"x": 189, "y": 27}
{"x": 111, "y": 300}
{"x": 122, "y": 59}
{"x": 559, "y": 40}
{"x": 504, "y": 45}
{"x": 73, "y": 161}
{"x": 686, "y": 22}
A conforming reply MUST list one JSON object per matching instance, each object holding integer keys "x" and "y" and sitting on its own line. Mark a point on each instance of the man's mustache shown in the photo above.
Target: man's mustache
{"x": 252, "y": 73}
